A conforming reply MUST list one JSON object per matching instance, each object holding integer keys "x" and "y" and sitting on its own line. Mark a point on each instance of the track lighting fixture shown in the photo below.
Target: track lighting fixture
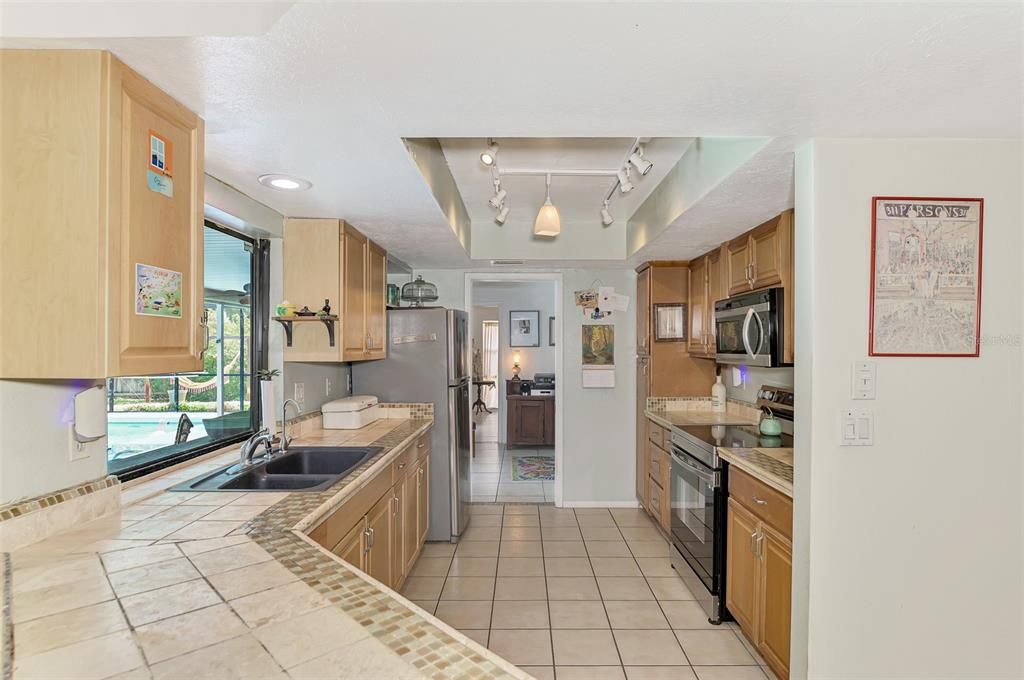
{"x": 490, "y": 155}
{"x": 502, "y": 214}
{"x": 499, "y": 195}
{"x": 638, "y": 161}
{"x": 625, "y": 186}
{"x": 606, "y": 217}
{"x": 548, "y": 222}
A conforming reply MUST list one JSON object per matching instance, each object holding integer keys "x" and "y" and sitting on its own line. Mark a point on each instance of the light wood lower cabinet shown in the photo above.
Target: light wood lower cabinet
{"x": 759, "y": 567}
{"x": 383, "y": 526}
{"x": 657, "y": 466}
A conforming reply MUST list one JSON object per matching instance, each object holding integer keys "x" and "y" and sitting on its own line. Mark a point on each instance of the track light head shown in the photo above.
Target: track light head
{"x": 502, "y": 214}
{"x": 606, "y": 217}
{"x": 638, "y": 161}
{"x": 490, "y": 155}
{"x": 625, "y": 186}
{"x": 498, "y": 198}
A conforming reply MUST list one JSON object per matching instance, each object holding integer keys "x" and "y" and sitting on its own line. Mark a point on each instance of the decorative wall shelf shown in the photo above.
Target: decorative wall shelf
{"x": 287, "y": 322}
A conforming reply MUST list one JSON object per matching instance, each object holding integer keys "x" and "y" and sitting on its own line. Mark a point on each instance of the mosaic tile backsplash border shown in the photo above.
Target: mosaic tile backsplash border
{"x": 26, "y": 506}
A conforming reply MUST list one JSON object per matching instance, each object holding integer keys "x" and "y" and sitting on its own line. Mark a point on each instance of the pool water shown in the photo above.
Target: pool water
{"x": 133, "y": 433}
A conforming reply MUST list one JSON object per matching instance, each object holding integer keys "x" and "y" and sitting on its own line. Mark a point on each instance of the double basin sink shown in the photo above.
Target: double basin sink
{"x": 302, "y": 468}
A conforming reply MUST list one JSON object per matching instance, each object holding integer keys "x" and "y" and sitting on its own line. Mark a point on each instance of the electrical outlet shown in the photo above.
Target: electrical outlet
{"x": 349, "y": 382}
{"x": 327, "y": 387}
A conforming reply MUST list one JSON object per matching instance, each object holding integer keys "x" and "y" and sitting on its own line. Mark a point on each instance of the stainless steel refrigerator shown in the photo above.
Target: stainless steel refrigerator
{"x": 428, "y": 361}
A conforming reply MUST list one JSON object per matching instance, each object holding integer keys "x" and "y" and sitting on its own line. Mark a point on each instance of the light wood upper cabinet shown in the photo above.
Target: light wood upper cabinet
{"x": 329, "y": 259}
{"x": 354, "y": 294}
{"x": 312, "y": 273}
{"x": 698, "y": 306}
{"x": 759, "y": 258}
{"x": 376, "y": 309}
{"x": 101, "y": 173}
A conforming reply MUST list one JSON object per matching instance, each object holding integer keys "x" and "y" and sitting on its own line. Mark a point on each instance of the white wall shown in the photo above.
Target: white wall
{"x": 753, "y": 378}
{"x": 908, "y": 558}
{"x": 518, "y": 295}
{"x": 35, "y": 446}
{"x": 598, "y": 426}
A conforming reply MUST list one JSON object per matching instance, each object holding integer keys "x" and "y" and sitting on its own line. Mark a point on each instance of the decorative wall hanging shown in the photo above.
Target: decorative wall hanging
{"x": 598, "y": 345}
{"x": 669, "y": 321}
{"x": 925, "y": 276}
{"x": 524, "y": 328}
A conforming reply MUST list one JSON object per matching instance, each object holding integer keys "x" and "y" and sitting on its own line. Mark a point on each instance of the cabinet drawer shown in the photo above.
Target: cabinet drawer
{"x": 403, "y": 463}
{"x": 422, "y": 446}
{"x": 767, "y": 504}
{"x": 656, "y": 433}
{"x": 659, "y": 507}
{"x": 656, "y": 464}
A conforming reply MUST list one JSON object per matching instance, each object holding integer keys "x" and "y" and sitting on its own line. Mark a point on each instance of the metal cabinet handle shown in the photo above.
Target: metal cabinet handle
{"x": 366, "y": 542}
{"x": 401, "y": 466}
{"x": 420, "y": 445}
{"x": 204, "y": 323}
{"x": 759, "y": 501}
{"x": 760, "y": 546}
{"x": 753, "y": 543}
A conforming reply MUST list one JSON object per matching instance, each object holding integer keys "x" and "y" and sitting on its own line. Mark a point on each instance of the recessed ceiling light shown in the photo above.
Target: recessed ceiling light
{"x": 284, "y": 182}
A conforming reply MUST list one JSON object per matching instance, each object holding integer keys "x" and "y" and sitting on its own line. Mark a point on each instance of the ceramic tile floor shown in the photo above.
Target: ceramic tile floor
{"x": 585, "y": 593}
{"x": 492, "y": 468}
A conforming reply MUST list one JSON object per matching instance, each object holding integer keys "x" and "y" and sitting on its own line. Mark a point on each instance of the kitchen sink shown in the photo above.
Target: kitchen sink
{"x": 307, "y": 468}
{"x": 317, "y": 460}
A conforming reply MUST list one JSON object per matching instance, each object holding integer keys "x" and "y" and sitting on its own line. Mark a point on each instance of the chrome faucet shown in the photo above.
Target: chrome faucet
{"x": 285, "y": 439}
{"x": 249, "y": 446}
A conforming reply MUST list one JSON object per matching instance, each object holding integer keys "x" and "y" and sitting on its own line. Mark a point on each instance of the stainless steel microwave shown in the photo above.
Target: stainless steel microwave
{"x": 749, "y": 328}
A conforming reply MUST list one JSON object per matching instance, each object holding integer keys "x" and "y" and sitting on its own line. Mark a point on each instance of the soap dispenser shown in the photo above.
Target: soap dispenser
{"x": 718, "y": 395}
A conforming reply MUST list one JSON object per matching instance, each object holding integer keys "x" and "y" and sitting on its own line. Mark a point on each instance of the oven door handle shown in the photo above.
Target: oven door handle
{"x": 704, "y": 475}
{"x": 746, "y": 333}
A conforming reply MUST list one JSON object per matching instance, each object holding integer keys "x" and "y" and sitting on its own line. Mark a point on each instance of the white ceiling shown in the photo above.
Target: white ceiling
{"x": 578, "y": 198}
{"x": 330, "y": 90}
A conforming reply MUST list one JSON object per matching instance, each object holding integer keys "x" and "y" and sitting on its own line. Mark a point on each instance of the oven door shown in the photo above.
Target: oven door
{"x": 742, "y": 335}
{"x": 696, "y": 499}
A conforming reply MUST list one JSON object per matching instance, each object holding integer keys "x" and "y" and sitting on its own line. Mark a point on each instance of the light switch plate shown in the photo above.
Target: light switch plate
{"x": 864, "y": 380}
{"x": 857, "y": 428}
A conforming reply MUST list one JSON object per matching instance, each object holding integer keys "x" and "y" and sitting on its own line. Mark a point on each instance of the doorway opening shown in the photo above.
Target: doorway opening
{"x": 516, "y": 371}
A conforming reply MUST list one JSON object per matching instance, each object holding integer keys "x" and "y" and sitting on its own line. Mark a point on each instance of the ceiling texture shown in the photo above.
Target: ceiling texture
{"x": 327, "y": 92}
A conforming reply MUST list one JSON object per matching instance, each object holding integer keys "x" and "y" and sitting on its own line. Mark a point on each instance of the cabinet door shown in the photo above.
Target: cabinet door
{"x": 352, "y": 548}
{"x": 741, "y": 566}
{"x": 378, "y": 555}
{"x": 775, "y": 597}
{"x": 398, "y": 570}
{"x": 766, "y": 255}
{"x": 529, "y": 421}
{"x": 716, "y": 292}
{"x": 422, "y": 501}
{"x": 549, "y": 422}
{"x": 642, "y": 391}
{"x": 312, "y": 274}
{"x": 156, "y": 223}
{"x": 353, "y": 274}
{"x": 376, "y": 294}
{"x": 698, "y": 305}
{"x": 643, "y": 311}
{"x": 737, "y": 265}
{"x": 409, "y": 505}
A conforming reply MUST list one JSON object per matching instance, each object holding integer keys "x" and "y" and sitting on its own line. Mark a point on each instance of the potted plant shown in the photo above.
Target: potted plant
{"x": 268, "y": 407}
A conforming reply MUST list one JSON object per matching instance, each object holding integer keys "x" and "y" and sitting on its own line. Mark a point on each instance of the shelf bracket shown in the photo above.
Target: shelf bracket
{"x": 288, "y": 324}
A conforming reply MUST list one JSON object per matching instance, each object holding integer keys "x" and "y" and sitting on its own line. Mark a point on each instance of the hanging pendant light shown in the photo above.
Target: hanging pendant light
{"x": 548, "y": 223}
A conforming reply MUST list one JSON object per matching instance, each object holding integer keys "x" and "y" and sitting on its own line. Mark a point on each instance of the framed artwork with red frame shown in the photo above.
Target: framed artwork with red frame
{"x": 925, "y": 276}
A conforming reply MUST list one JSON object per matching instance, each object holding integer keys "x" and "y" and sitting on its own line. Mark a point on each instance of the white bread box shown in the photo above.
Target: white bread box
{"x": 350, "y": 413}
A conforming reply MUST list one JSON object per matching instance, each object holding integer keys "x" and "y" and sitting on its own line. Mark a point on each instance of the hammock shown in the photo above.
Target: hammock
{"x": 191, "y": 386}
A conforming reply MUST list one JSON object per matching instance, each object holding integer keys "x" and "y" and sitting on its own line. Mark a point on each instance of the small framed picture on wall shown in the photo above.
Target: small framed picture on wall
{"x": 524, "y": 328}
{"x": 669, "y": 321}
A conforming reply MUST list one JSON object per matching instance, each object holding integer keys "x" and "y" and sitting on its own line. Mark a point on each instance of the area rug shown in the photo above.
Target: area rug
{"x": 533, "y": 468}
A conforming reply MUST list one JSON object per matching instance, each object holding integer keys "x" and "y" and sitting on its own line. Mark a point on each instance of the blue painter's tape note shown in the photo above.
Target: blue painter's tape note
{"x": 161, "y": 184}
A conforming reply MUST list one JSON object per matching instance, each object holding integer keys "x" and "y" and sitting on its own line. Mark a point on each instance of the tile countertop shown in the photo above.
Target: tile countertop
{"x": 227, "y": 584}
{"x": 774, "y": 467}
